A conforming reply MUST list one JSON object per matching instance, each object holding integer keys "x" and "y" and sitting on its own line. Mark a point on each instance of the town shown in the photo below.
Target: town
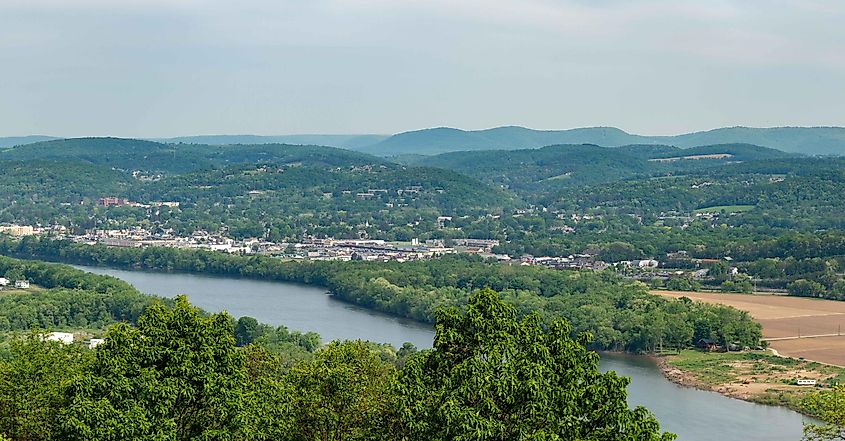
{"x": 678, "y": 266}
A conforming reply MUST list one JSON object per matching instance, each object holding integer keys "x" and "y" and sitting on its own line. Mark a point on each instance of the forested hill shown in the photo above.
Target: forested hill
{"x": 148, "y": 156}
{"x": 805, "y": 140}
{"x": 735, "y": 152}
{"x": 274, "y": 190}
{"x": 533, "y": 171}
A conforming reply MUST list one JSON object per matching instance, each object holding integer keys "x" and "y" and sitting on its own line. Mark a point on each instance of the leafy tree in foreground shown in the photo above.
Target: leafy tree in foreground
{"x": 31, "y": 386}
{"x": 493, "y": 377}
{"x": 344, "y": 393}
{"x": 830, "y": 408}
{"x": 176, "y": 376}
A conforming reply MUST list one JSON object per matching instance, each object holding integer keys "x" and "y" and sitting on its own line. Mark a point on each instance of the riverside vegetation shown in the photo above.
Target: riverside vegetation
{"x": 774, "y": 213}
{"x": 619, "y": 315}
{"x": 175, "y": 372}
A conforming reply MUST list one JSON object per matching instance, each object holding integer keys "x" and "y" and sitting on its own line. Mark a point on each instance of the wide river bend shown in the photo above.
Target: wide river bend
{"x": 692, "y": 414}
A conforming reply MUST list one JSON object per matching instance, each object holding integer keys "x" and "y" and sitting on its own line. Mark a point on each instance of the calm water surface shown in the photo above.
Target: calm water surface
{"x": 692, "y": 414}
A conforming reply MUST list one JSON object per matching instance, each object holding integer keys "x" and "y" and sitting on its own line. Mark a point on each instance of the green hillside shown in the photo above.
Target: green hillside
{"x": 531, "y": 172}
{"x": 148, "y": 156}
{"x": 260, "y": 199}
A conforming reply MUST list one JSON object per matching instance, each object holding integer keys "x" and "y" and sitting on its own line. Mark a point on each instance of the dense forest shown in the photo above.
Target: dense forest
{"x": 619, "y": 315}
{"x": 179, "y": 374}
{"x": 535, "y": 172}
{"x": 624, "y": 203}
{"x": 68, "y": 299}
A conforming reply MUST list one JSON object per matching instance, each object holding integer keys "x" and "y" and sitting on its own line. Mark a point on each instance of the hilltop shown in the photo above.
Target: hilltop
{"x": 804, "y": 140}
{"x": 351, "y": 142}
{"x": 530, "y": 171}
{"x": 149, "y": 156}
{"x": 11, "y": 141}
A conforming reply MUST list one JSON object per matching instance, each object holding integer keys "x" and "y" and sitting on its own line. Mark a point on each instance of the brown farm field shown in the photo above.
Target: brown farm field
{"x": 794, "y": 326}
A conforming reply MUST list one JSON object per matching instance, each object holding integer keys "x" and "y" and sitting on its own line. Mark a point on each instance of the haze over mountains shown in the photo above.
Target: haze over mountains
{"x": 804, "y": 140}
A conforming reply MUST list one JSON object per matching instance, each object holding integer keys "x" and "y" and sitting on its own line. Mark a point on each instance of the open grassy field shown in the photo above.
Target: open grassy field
{"x": 12, "y": 290}
{"x": 794, "y": 326}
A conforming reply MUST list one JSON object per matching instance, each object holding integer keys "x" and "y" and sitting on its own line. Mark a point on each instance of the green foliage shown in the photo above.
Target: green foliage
{"x": 806, "y": 288}
{"x": 830, "y": 408}
{"x": 620, "y": 315}
{"x": 682, "y": 284}
{"x": 344, "y": 392}
{"x": 533, "y": 172}
{"x": 73, "y": 299}
{"x": 493, "y": 377}
{"x": 177, "y": 375}
{"x": 32, "y": 384}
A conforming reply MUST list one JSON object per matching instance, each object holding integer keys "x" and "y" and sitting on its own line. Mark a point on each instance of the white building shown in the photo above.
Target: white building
{"x": 95, "y": 342}
{"x": 649, "y": 263}
{"x": 4, "y": 281}
{"x": 61, "y": 337}
{"x": 22, "y": 284}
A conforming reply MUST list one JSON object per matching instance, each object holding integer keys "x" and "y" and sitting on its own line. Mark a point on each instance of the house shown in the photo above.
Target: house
{"x": 4, "y": 281}
{"x": 707, "y": 344}
{"x": 94, "y": 342}
{"x": 17, "y": 230}
{"x": 22, "y": 284}
{"x": 649, "y": 263}
{"x": 61, "y": 337}
{"x": 110, "y": 201}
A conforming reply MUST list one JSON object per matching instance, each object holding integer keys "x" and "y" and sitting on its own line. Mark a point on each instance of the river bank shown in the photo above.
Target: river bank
{"x": 753, "y": 376}
{"x": 685, "y": 411}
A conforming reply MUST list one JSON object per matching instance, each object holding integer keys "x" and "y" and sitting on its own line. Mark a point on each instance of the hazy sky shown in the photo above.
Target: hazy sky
{"x": 174, "y": 67}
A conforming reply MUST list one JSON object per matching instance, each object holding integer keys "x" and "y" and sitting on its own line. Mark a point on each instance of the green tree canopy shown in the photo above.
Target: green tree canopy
{"x": 176, "y": 376}
{"x": 493, "y": 377}
{"x": 830, "y": 408}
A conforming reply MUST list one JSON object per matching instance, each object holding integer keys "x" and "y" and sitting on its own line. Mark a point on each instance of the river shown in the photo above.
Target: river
{"x": 692, "y": 414}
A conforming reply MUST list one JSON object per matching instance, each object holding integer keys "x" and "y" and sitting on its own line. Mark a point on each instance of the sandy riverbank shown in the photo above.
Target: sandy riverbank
{"x": 757, "y": 376}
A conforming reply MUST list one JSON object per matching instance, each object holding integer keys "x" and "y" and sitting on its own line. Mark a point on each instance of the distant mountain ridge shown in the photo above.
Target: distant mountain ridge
{"x": 804, "y": 140}
{"x": 352, "y": 142}
{"x": 12, "y": 141}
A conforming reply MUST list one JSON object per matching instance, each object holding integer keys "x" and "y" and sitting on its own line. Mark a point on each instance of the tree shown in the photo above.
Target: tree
{"x": 246, "y": 331}
{"x": 806, "y": 288}
{"x": 344, "y": 393}
{"x": 493, "y": 377}
{"x": 176, "y": 376}
{"x": 830, "y": 408}
{"x": 31, "y": 386}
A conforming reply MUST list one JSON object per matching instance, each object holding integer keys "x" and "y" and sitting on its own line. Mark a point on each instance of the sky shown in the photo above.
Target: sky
{"x": 155, "y": 68}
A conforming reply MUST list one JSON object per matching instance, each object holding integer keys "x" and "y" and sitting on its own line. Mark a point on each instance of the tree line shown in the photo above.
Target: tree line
{"x": 179, "y": 375}
{"x": 620, "y": 315}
